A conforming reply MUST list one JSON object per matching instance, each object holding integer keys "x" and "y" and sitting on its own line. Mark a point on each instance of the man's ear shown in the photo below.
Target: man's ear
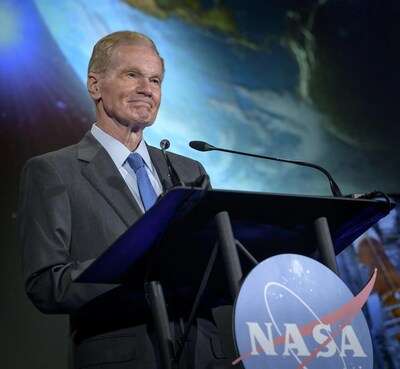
{"x": 93, "y": 85}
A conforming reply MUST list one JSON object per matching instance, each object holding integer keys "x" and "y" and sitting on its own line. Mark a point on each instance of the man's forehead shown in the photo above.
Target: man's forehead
{"x": 135, "y": 51}
{"x": 132, "y": 56}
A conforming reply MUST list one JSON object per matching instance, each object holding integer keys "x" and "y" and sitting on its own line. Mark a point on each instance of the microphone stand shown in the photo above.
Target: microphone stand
{"x": 202, "y": 181}
{"x": 173, "y": 175}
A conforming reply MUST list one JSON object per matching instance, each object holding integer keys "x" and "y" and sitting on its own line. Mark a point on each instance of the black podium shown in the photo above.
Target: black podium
{"x": 175, "y": 244}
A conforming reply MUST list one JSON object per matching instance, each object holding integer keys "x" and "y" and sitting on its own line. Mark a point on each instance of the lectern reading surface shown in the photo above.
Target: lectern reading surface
{"x": 180, "y": 227}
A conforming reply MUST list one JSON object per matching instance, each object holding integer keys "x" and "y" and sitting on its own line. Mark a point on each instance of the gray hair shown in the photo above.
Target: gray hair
{"x": 102, "y": 51}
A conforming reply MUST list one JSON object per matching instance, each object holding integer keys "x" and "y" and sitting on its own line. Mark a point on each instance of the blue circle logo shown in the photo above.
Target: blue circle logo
{"x": 293, "y": 312}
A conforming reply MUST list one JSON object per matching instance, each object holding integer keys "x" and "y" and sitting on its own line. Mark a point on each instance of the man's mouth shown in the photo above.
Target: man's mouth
{"x": 140, "y": 103}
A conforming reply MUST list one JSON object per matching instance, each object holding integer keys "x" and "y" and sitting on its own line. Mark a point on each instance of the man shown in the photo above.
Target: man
{"x": 75, "y": 202}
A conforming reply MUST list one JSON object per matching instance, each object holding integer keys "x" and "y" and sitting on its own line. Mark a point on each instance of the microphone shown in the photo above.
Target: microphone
{"x": 164, "y": 144}
{"x": 173, "y": 175}
{"x": 204, "y": 146}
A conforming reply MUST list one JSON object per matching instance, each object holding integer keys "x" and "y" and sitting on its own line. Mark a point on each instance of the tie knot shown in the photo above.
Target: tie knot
{"x": 135, "y": 161}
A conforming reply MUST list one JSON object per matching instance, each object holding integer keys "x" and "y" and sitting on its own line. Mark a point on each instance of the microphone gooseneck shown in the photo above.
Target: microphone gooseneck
{"x": 204, "y": 146}
{"x": 173, "y": 175}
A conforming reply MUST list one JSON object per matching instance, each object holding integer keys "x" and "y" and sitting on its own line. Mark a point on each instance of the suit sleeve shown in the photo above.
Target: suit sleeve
{"x": 45, "y": 237}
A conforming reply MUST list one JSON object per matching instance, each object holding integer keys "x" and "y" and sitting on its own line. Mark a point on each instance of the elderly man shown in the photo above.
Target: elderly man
{"x": 75, "y": 202}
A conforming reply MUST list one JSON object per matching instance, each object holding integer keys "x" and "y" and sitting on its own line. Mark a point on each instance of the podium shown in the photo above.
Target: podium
{"x": 176, "y": 243}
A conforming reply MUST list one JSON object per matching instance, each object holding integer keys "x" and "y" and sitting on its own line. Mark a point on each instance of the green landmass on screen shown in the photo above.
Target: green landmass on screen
{"x": 218, "y": 17}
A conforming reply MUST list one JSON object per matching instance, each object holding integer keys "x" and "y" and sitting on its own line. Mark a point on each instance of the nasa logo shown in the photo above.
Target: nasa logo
{"x": 293, "y": 312}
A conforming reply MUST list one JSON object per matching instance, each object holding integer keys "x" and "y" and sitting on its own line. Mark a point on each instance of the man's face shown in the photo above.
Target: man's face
{"x": 130, "y": 89}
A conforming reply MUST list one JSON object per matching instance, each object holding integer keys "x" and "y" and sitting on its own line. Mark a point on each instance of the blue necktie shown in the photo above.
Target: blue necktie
{"x": 146, "y": 190}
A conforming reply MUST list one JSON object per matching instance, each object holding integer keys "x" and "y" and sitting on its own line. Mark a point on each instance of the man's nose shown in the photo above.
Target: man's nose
{"x": 144, "y": 87}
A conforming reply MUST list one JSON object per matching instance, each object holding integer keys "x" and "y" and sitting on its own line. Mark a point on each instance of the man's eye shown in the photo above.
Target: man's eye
{"x": 131, "y": 74}
{"x": 156, "y": 82}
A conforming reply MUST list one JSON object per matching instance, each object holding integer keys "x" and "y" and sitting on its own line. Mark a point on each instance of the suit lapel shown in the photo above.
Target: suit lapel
{"x": 104, "y": 176}
{"x": 161, "y": 167}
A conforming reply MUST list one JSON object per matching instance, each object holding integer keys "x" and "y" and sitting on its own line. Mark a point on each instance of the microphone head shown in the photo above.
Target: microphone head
{"x": 201, "y": 146}
{"x": 164, "y": 144}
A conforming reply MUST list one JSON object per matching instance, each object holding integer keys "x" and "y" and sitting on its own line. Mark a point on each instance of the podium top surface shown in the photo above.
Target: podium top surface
{"x": 180, "y": 230}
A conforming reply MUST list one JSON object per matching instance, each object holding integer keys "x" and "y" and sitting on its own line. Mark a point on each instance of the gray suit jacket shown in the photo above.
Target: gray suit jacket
{"x": 73, "y": 205}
